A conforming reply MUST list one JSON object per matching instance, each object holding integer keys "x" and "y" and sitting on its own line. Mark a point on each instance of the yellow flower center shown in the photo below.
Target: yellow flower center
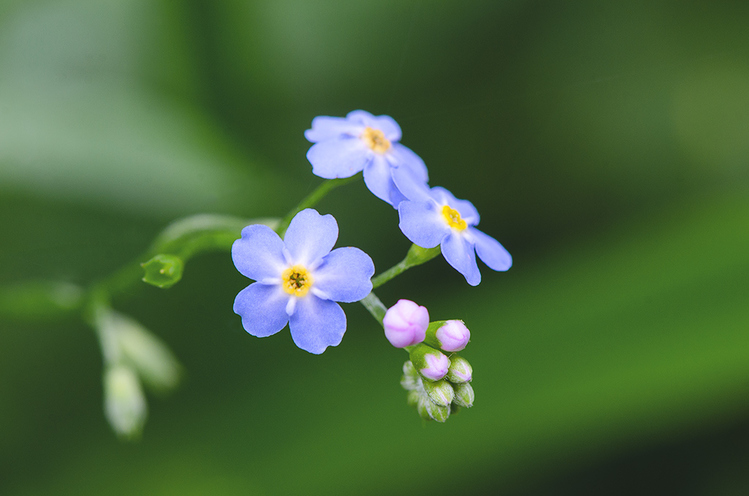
{"x": 296, "y": 280}
{"x": 452, "y": 217}
{"x": 375, "y": 139}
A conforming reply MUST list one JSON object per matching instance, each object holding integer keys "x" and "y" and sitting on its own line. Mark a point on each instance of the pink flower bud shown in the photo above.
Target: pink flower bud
{"x": 437, "y": 365}
{"x": 453, "y": 336}
{"x": 405, "y": 323}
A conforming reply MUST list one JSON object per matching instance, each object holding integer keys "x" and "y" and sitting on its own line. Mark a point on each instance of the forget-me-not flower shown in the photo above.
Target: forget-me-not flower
{"x": 360, "y": 141}
{"x": 299, "y": 280}
{"x": 436, "y": 217}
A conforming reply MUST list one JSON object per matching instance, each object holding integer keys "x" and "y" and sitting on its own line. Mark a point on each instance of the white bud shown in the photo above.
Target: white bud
{"x": 124, "y": 401}
{"x": 155, "y": 363}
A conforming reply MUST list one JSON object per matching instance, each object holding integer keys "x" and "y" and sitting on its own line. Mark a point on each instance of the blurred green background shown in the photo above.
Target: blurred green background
{"x": 605, "y": 144}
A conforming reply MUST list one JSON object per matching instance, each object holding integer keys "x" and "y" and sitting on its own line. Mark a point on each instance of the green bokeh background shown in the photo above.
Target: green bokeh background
{"x": 605, "y": 144}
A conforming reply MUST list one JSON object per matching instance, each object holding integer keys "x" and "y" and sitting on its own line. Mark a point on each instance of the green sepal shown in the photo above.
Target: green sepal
{"x": 431, "y": 333}
{"x": 418, "y": 354}
{"x": 163, "y": 271}
{"x": 417, "y": 255}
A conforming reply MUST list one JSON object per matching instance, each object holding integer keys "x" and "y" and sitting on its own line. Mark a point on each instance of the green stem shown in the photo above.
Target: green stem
{"x": 311, "y": 200}
{"x": 392, "y": 272}
{"x": 184, "y": 238}
{"x": 416, "y": 256}
{"x": 373, "y": 304}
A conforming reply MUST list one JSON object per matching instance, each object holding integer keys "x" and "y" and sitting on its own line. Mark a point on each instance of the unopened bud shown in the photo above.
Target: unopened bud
{"x": 448, "y": 335}
{"x": 463, "y": 395}
{"x": 124, "y": 402}
{"x": 460, "y": 370}
{"x": 440, "y": 392}
{"x": 410, "y": 379}
{"x": 405, "y": 323}
{"x": 413, "y": 398}
{"x": 421, "y": 407}
{"x": 437, "y": 412}
{"x": 128, "y": 342}
{"x": 432, "y": 364}
{"x": 156, "y": 364}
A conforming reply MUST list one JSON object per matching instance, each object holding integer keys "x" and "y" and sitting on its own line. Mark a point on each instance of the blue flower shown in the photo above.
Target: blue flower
{"x": 436, "y": 217}
{"x": 299, "y": 279}
{"x": 360, "y": 141}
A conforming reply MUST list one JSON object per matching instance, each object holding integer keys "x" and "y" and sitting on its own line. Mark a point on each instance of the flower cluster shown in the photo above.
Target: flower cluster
{"x": 300, "y": 279}
{"x": 429, "y": 217}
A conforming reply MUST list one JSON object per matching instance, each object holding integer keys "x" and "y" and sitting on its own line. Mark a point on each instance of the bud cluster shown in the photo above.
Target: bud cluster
{"x": 437, "y": 379}
{"x": 436, "y": 399}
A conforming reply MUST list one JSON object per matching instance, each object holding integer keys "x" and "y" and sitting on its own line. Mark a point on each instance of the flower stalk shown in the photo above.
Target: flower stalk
{"x": 311, "y": 200}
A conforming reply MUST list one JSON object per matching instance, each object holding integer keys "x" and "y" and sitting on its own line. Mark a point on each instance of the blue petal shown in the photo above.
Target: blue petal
{"x": 317, "y": 324}
{"x": 384, "y": 123}
{"x": 490, "y": 251}
{"x": 310, "y": 236}
{"x": 379, "y": 180}
{"x": 465, "y": 208}
{"x": 402, "y": 156}
{"x": 389, "y": 128}
{"x": 422, "y": 223}
{"x": 360, "y": 117}
{"x": 258, "y": 254}
{"x": 344, "y": 275}
{"x": 338, "y": 157}
{"x": 410, "y": 184}
{"x": 262, "y": 308}
{"x": 324, "y": 128}
{"x": 459, "y": 253}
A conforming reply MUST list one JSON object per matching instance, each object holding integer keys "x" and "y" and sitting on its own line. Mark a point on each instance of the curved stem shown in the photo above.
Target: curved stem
{"x": 416, "y": 256}
{"x": 184, "y": 238}
{"x": 311, "y": 200}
